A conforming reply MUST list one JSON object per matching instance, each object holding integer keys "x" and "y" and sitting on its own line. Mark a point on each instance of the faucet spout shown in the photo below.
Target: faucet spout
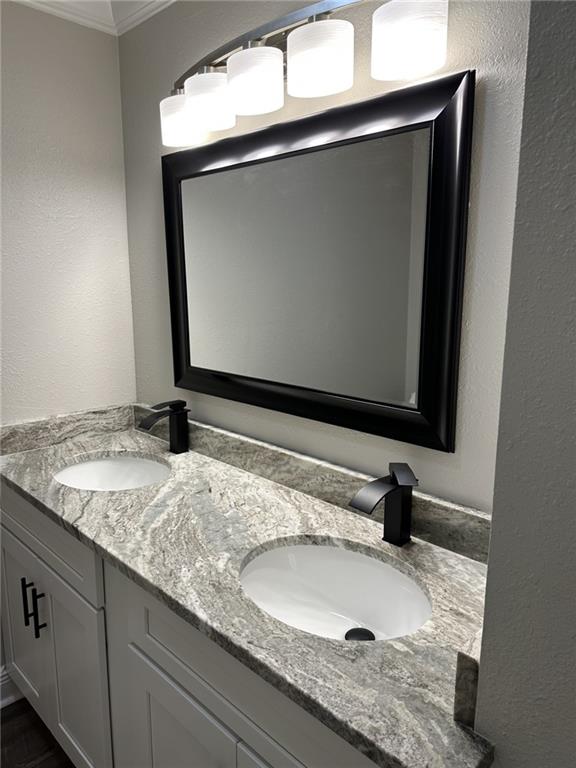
{"x": 396, "y": 490}
{"x": 369, "y": 496}
{"x": 149, "y": 421}
{"x": 176, "y": 411}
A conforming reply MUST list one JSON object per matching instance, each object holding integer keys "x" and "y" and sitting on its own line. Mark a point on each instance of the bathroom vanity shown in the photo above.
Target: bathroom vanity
{"x": 126, "y": 623}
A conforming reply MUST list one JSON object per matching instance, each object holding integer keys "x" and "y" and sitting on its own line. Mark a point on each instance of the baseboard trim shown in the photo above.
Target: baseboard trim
{"x": 9, "y": 692}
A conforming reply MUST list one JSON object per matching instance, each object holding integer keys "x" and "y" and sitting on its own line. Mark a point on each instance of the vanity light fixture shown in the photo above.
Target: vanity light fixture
{"x": 409, "y": 38}
{"x": 246, "y": 75}
{"x": 208, "y": 100}
{"x": 256, "y": 79}
{"x": 321, "y": 58}
{"x": 179, "y": 129}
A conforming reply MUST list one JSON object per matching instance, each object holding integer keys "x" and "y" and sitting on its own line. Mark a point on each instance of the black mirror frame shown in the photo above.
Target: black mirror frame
{"x": 446, "y": 106}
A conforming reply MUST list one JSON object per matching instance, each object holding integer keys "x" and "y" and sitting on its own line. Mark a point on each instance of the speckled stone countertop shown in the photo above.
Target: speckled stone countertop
{"x": 186, "y": 539}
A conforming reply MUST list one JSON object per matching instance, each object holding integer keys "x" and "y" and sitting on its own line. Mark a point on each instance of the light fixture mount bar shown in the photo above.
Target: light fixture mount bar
{"x": 274, "y": 32}
{"x": 258, "y": 43}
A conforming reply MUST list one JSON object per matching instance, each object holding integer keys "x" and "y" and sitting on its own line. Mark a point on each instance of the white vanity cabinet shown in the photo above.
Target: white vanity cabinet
{"x": 180, "y": 731}
{"x": 161, "y": 671}
{"x": 54, "y": 638}
{"x": 178, "y": 700}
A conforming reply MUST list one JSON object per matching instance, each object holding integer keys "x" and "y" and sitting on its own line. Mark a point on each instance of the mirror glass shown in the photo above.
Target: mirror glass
{"x": 308, "y": 269}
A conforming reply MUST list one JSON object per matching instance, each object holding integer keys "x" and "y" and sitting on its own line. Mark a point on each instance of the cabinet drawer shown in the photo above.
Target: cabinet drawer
{"x": 80, "y": 566}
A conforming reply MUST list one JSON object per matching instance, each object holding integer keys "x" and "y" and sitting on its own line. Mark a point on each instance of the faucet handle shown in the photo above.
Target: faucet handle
{"x": 402, "y": 474}
{"x": 174, "y": 405}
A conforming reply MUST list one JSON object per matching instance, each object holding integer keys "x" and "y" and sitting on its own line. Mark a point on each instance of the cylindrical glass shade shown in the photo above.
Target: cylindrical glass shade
{"x": 409, "y": 38}
{"x": 321, "y": 58}
{"x": 209, "y": 100}
{"x": 256, "y": 80}
{"x": 178, "y": 127}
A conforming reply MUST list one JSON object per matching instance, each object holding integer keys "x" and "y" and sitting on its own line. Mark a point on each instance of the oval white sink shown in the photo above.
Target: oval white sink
{"x": 328, "y": 591}
{"x": 113, "y": 473}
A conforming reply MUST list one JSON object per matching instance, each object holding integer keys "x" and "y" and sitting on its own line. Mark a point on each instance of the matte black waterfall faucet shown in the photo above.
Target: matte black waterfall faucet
{"x": 396, "y": 489}
{"x": 178, "y": 424}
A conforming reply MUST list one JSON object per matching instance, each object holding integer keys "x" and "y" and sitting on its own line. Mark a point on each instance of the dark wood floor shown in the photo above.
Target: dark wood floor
{"x": 26, "y": 742}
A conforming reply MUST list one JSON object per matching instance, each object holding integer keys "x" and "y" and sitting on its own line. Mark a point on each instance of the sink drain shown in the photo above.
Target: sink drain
{"x": 359, "y": 633}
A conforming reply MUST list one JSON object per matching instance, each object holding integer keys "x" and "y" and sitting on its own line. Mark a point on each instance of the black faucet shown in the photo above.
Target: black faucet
{"x": 396, "y": 488}
{"x": 178, "y": 424}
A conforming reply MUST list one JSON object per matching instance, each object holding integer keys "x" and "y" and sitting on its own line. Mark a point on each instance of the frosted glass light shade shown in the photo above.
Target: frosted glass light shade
{"x": 409, "y": 38}
{"x": 321, "y": 58}
{"x": 209, "y": 100}
{"x": 177, "y": 124}
{"x": 256, "y": 80}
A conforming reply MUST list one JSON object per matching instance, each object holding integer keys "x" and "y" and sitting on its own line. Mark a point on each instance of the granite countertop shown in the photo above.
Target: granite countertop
{"x": 185, "y": 540}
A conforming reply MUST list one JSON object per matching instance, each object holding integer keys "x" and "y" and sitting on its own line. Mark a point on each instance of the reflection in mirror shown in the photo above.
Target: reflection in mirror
{"x": 308, "y": 269}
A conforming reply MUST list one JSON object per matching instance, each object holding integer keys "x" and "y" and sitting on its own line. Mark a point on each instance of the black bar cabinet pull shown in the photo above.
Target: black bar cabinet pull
{"x": 37, "y": 626}
{"x": 24, "y": 586}
{"x": 31, "y": 614}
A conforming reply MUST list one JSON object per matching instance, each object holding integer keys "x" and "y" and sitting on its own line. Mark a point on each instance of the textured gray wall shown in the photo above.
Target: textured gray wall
{"x": 527, "y": 693}
{"x": 67, "y": 338}
{"x": 488, "y": 36}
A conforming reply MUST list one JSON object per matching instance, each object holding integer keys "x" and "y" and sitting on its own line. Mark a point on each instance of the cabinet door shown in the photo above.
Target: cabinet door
{"x": 157, "y": 724}
{"x": 27, "y": 657}
{"x": 63, "y": 670}
{"x": 79, "y": 681}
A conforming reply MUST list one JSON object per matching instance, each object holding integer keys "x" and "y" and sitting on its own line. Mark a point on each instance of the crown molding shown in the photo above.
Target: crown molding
{"x": 72, "y": 12}
{"x": 148, "y": 10}
{"x": 80, "y": 14}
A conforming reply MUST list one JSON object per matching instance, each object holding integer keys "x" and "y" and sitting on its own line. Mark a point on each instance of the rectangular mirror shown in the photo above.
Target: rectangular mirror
{"x": 316, "y": 267}
{"x": 331, "y": 274}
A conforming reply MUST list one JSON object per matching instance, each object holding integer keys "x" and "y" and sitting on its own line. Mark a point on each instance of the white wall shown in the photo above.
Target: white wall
{"x": 527, "y": 688}
{"x": 491, "y": 37}
{"x": 67, "y": 338}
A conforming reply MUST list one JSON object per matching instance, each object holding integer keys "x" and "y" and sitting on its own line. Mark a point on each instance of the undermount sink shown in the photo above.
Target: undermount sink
{"x": 113, "y": 473}
{"x": 328, "y": 591}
